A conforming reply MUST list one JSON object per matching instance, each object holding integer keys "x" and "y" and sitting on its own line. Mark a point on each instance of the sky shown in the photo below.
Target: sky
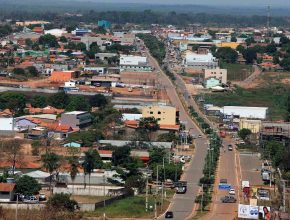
{"x": 249, "y": 3}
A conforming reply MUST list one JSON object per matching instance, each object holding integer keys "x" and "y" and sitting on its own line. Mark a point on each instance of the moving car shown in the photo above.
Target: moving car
{"x": 169, "y": 214}
{"x": 230, "y": 147}
{"x": 228, "y": 199}
{"x": 200, "y": 136}
{"x": 232, "y": 192}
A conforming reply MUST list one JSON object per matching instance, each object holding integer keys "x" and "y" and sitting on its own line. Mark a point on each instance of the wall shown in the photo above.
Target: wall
{"x": 220, "y": 74}
{"x": 166, "y": 114}
{"x": 22, "y": 206}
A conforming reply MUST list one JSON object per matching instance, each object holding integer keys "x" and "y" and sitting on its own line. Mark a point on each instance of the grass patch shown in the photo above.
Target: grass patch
{"x": 131, "y": 207}
{"x": 237, "y": 72}
{"x": 200, "y": 214}
{"x": 274, "y": 97}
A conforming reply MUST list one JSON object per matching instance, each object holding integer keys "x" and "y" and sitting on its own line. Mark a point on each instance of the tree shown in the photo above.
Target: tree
{"x": 87, "y": 138}
{"x": 59, "y": 100}
{"x": 233, "y": 39}
{"x": 135, "y": 182}
{"x": 15, "y": 102}
{"x": 38, "y": 101}
{"x": 73, "y": 161}
{"x": 195, "y": 47}
{"x": 156, "y": 155}
{"x": 120, "y": 155}
{"x": 271, "y": 48}
{"x": 32, "y": 71}
{"x": 285, "y": 63}
{"x": 98, "y": 100}
{"x": 168, "y": 137}
{"x": 48, "y": 40}
{"x": 227, "y": 54}
{"x": 250, "y": 55}
{"x": 63, "y": 39}
{"x": 51, "y": 162}
{"x": 11, "y": 151}
{"x": 28, "y": 42}
{"x": 240, "y": 48}
{"x": 77, "y": 103}
{"x": 244, "y": 133}
{"x": 61, "y": 202}
{"x": 19, "y": 71}
{"x": 35, "y": 147}
{"x": 81, "y": 46}
{"x": 149, "y": 125}
{"x": 92, "y": 161}
{"x": 27, "y": 185}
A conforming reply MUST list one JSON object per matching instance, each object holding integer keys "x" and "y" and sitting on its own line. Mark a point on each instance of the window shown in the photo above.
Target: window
{"x": 151, "y": 113}
{"x": 159, "y": 112}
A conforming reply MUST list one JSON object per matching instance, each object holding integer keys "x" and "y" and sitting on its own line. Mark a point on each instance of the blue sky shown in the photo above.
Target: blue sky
{"x": 262, "y": 3}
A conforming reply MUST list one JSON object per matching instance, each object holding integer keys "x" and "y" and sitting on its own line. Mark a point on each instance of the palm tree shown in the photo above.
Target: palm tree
{"x": 51, "y": 162}
{"x": 73, "y": 169}
{"x": 92, "y": 161}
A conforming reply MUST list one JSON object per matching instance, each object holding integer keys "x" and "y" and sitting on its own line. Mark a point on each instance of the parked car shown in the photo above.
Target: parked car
{"x": 169, "y": 214}
{"x": 42, "y": 197}
{"x": 228, "y": 199}
{"x": 200, "y": 136}
{"x": 31, "y": 199}
{"x": 232, "y": 192}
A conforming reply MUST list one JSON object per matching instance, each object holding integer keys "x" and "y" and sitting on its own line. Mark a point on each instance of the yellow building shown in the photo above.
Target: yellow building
{"x": 253, "y": 125}
{"x": 166, "y": 115}
{"x": 232, "y": 45}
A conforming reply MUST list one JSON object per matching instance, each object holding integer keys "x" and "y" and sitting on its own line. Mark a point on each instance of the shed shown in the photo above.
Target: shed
{"x": 7, "y": 191}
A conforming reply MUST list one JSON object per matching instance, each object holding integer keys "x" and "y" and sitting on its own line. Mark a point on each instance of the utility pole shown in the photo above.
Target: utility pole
{"x": 16, "y": 212}
{"x": 157, "y": 181}
{"x": 104, "y": 214}
{"x": 284, "y": 199}
{"x": 146, "y": 203}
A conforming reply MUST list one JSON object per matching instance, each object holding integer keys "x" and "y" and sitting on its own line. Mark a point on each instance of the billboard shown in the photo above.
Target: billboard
{"x": 248, "y": 211}
{"x": 254, "y": 212}
{"x": 223, "y": 186}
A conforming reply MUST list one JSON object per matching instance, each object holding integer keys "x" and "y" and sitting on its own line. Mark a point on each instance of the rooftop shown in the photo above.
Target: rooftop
{"x": 7, "y": 187}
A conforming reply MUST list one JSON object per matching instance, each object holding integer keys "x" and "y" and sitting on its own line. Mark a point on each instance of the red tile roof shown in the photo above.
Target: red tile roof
{"x": 7, "y": 187}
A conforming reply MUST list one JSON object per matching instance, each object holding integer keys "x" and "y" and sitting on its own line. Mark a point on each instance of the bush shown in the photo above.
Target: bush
{"x": 61, "y": 201}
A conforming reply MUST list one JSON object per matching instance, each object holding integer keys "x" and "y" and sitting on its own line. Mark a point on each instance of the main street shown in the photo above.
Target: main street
{"x": 183, "y": 204}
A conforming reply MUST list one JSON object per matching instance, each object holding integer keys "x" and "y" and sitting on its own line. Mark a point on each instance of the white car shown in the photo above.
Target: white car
{"x": 232, "y": 192}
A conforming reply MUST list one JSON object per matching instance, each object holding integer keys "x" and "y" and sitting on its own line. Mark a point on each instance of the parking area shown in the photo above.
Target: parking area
{"x": 251, "y": 168}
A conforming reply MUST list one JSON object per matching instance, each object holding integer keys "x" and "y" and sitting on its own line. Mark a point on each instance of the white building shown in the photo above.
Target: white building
{"x": 200, "y": 61}
{"x": 245, "y": 112}
{"x": 134, "y": 63}
{"x": 220, "y": 74}
{"x": 56, "y": 32}
{"x": 7, "y": 124}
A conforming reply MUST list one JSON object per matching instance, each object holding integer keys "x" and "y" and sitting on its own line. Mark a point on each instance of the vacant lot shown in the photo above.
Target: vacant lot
{"x": 274, "y": 96}
{"x": 237, "y": 72}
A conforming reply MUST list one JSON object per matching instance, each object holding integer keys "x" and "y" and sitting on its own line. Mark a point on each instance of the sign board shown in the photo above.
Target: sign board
{"x": 254, "y": 212}
{"x": 225, "y": 186}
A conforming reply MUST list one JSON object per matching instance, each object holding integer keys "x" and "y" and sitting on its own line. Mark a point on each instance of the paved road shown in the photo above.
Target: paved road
{"x": 182, "y": 204}
{"x": 229, "y": 170}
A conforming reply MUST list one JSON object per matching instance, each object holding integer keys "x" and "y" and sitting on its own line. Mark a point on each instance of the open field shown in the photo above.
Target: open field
{"x": 131, "y": 207}
{"x": 274, "y": 97}
{"x": 237, "y": 72}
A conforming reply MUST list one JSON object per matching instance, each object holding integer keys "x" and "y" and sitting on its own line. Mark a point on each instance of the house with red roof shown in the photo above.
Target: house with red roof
{"x": 7, "y": 192}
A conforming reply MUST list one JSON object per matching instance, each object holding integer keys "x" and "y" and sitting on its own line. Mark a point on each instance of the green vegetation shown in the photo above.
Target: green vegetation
{"x": 13, "y": 101}
{"x": 244, "y": 133}
{"x": 227, "y": 54}
{"x": 156, "y": 47}
{"x": 131, "y": 207}
{"x": 27, "y": 185}
{"x": 61, "y": 202}
{"x": 274, "y": 96}
{"x": 237, "y": 72}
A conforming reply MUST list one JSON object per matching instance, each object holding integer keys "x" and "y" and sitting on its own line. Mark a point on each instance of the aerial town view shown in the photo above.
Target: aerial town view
{"x": 143, "y": 109}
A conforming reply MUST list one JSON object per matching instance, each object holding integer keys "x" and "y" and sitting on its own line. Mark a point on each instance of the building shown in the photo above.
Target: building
{"x": 200, "y": 61}
{"x": 62, "y": 76}
{"x": 105, "y": 56}
{"x": 104, "y": 24}
{"x": 134, "y": 63}
{"x": 220, "y": 74}
{"x": 211, "y": 82}
{"x": 56, "y": 32}
{"x": 94, "y": 70}
{"x": 72, "y": 144}
{"x": 138, "y": 78}
{"x": 166, "y": 115}
{"x": 7, "y": 124}
{"x": 76, "y": 119}
{"x": 253, "y": 125}
{"x": 40, "y": 176}
{"x": 81, "y": 32}
{"x": 7, "y": 192}
{"x": 280, "y": 130}
{"x": 245, "y": 112}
